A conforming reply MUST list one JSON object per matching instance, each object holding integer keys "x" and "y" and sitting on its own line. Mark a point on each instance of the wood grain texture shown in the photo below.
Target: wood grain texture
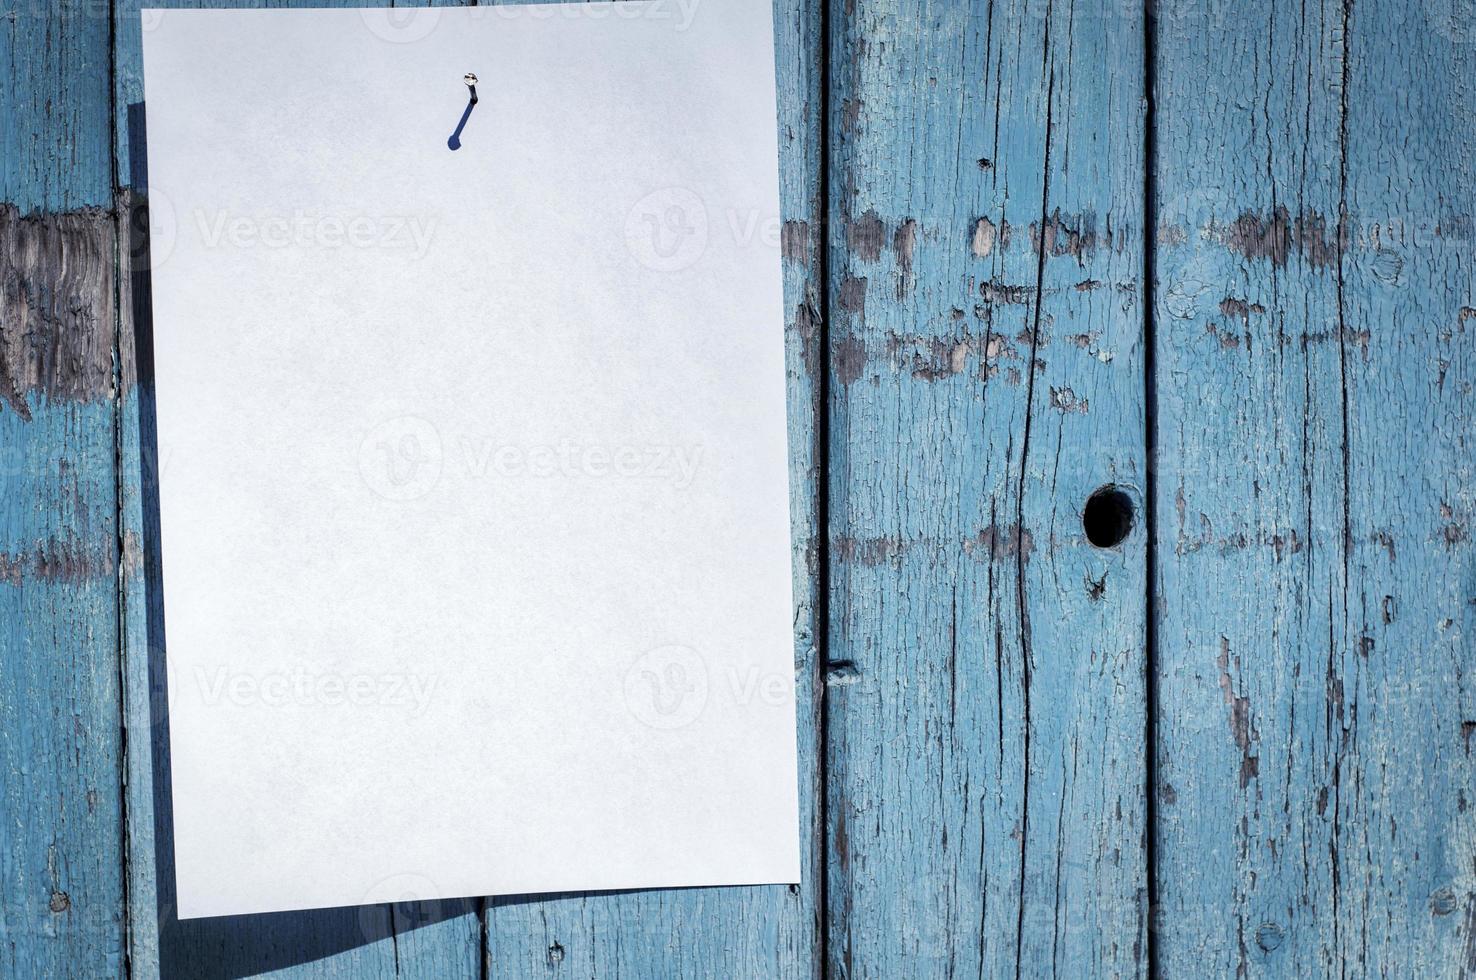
{"x": 61, "y": 862}
{"x": 54, "y": 65}
{"x": 986, "y": 699}
{"x": 963, "y": 246}
{"x": 771, "y": 931}
{"x": 1314, "y": 488}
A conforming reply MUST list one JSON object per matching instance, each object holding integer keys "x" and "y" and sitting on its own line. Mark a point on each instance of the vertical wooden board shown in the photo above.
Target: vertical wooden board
{"x": 770, "y": 931}
{"x": 413, "y": 938}
{"x": 61, "y": 865}
{"x": 54, "y": 62}
{"x": 1314, "y": 493}
{"x": 1248, "y": 482}
{"x": 986, "y": 703}
{"x": 1404, "y": 797}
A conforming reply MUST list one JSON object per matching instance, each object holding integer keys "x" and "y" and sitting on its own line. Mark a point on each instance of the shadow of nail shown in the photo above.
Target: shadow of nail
{"x": 455, "y": 141}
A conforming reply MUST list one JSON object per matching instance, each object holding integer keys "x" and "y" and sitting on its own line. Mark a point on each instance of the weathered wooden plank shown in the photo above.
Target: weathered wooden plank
{"x": 1314, "y": 489}
{"x": 733, "y": 932}
{"x": 61, "y": 865}
{"x": 986, "y": 701}
{"x": 54, "y": 118}
{"x": 414, "y": 938}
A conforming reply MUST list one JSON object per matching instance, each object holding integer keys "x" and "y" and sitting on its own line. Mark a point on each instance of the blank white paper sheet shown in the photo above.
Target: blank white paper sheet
{"x": 473, "y": 479}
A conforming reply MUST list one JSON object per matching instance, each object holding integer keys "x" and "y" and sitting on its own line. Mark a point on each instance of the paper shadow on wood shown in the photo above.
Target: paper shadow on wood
{"x": 227, "y": 946}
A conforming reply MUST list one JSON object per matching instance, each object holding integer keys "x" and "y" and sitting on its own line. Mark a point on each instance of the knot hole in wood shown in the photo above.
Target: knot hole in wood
{"x": 1108, "y": 516}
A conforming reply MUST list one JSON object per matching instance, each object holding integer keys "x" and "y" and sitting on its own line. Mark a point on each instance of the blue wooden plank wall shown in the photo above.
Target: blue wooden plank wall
{"x": 985, "y": 764}
{"x": 1216, "y": 256}
{"x": 1316, "y": 590}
